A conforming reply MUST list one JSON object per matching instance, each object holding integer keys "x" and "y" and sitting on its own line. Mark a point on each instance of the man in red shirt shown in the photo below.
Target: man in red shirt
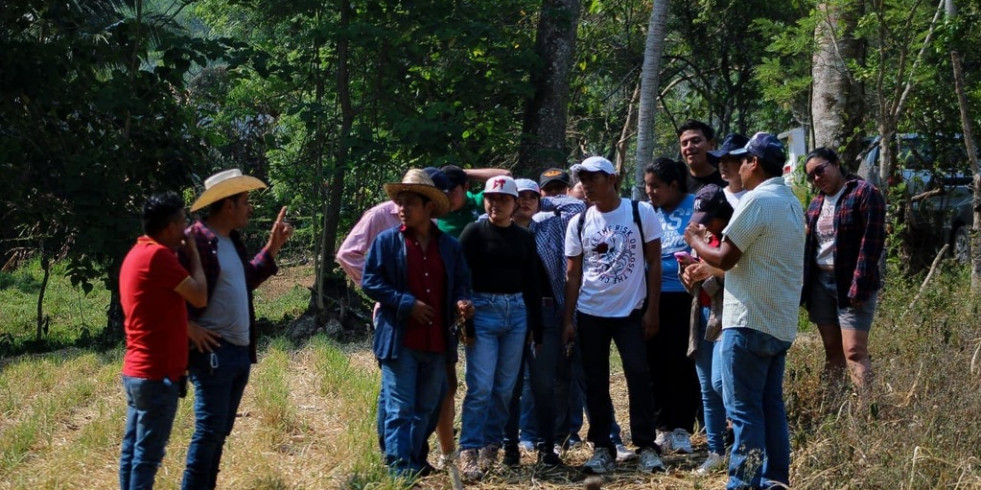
{"x": 419, "y": 276}
{"x": 153, "y": 287}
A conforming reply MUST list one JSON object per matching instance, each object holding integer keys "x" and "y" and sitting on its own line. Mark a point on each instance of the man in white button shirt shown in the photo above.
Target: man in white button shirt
{"x": 762, "y": 252}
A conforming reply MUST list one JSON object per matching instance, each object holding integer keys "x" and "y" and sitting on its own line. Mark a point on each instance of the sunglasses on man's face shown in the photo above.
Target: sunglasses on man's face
{"x": 817, "y": 172}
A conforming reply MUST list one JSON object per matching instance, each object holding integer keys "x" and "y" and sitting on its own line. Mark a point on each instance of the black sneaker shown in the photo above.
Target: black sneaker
{"x": 427, "y": 470}
{"x": 512, "y": 456}
{"x": 548, "y": 457}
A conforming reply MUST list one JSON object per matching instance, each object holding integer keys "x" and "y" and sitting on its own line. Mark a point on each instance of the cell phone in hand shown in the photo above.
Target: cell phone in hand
{"x": 684, "y": 257}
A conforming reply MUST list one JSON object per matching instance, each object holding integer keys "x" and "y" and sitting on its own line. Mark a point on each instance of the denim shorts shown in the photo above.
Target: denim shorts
{"x": 823, "y": 307}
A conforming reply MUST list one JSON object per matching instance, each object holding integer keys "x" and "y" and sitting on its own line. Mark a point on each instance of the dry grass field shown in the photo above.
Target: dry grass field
{"x": 307, "y": 419}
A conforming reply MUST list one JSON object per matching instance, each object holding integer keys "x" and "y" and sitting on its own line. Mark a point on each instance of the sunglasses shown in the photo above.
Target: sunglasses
{"x": 817, "y": 172}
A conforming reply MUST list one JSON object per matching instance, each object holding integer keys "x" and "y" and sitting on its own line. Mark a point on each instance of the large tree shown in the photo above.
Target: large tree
{"x": 544, "y": 142}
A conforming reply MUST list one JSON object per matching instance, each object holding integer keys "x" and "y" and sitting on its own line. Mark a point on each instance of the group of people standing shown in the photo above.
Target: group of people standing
{"x": 698, "y": 289}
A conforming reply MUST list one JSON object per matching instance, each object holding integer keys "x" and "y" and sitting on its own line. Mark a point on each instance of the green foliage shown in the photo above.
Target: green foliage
{"x": 94, "y": 117}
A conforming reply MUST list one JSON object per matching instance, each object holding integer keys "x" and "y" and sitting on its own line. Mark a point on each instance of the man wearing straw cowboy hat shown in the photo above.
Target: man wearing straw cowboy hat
{"x": 419, "y": 276}
{"x": 223, "y": 333}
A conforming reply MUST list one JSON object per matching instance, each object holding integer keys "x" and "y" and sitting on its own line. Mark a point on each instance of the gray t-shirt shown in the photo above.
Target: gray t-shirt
{"x": 228, "y": 307}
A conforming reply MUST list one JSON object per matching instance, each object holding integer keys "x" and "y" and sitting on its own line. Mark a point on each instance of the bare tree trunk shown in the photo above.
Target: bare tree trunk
{"x": 649, "y": 79}
{"x": 967, "y": 128}
{"x": 332, "y": 205}
{"x": 42, "y": 322}
{"x": 544, "y": 128}
{"x": 837, "y": 104}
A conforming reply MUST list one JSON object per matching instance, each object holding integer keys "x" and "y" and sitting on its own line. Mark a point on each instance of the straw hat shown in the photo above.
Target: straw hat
{"x": 419, "y": 182}
{"x": 224, "y": 184}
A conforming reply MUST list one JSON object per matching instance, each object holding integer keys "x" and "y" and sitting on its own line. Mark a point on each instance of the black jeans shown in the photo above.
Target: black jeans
{"x": 595, "y": 334}
{"x": 674, "y": 381}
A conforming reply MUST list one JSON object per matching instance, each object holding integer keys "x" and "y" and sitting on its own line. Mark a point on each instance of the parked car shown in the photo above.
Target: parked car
{"x": 920, "y": 168}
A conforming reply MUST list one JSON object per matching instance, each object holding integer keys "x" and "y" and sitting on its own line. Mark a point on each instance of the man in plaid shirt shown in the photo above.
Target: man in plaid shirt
{"x": 223, "y": 333}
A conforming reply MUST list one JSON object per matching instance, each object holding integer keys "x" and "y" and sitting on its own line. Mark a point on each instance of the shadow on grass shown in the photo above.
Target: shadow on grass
{"x": 22, "y": 281}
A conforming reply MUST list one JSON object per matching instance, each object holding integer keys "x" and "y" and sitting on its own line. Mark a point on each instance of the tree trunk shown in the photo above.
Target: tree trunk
{"x": 837, "y": 104}
{"x": 545, "y": 115}
{"x": 332, "y": 205}
{"x": 649, "y": 79}
{"x": 967, "y": 128}
{"x": 42, "y": 322}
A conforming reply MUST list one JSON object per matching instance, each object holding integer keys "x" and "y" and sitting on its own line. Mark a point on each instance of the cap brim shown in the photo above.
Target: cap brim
{"x": 738, "y": 152}
{"x": 702, "y": 217}
{"x": 223, "y": 189}
{"x": 548, "y": 181}
{"x": 435, "y": 195}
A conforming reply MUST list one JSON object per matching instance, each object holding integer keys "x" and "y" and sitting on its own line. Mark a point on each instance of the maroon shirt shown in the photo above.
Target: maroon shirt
{"x": 427, "y": 282}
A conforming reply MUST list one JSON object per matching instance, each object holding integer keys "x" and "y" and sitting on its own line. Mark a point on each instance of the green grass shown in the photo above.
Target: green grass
{"x": 73, "y": 314}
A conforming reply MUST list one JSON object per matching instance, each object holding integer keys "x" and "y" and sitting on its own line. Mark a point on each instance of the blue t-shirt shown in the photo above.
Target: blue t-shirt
{"x": 674, "y": 224}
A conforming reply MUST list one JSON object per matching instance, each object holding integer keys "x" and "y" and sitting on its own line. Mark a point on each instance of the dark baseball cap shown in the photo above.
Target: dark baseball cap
{"x": 733, "y": 141}
{"x": 553, "y": 175}
{"x": 711, "y": 203}
{"x": 456, "y": 175}
{"x": 440, "y": 180}
{"x": 764, "y": 146}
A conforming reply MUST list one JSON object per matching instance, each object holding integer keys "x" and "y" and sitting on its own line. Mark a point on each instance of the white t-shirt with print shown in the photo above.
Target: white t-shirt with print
{"x": 825, "y": 232}
{"x": 613, "y": 282}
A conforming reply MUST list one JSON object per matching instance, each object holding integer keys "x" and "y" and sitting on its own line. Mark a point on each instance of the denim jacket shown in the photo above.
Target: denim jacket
{"x": 385, "y": 281}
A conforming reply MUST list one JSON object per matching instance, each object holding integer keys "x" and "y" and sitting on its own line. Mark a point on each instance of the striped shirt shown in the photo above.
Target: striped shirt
{"x": 762, "y": 290}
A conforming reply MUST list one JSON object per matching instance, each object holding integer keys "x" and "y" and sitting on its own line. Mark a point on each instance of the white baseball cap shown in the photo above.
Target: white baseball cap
{"x": 593, "y": 164}
{"x": 501, "y": 185}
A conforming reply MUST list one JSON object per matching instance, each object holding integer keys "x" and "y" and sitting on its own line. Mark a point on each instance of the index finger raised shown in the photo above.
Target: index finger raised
{"x": 282, "y": 215}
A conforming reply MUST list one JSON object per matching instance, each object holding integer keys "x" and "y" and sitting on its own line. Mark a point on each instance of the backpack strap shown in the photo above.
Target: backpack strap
{"x": 640, "y": 226}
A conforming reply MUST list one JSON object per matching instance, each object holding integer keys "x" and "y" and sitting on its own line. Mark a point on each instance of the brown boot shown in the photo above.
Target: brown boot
{"x": 469, "y": 468}
{"x": 488, "y": 456}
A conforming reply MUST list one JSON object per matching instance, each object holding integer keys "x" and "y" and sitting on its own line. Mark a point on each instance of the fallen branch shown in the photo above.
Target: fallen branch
{"x": 933, "y": 268}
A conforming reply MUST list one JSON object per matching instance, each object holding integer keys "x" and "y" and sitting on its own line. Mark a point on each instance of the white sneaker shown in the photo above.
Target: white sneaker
{"x": 663, "y": 441}
{"x": 681, "y": 441}
{"x": 601, "y": 462}
{"x": 650, "y": 461}
{"x": 713, "y": 463}
{"x": 624, "y": 453}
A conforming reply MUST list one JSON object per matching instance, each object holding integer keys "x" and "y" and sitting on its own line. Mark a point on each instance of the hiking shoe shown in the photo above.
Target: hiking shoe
{"x": 488, "y": 456}
{"x": 663, "y": 440}
{"x": 601, "y": 462}
{"x": 650, "y": 461}
{"x": 624, "y": 453}
{"x": 681, "y": 441}
{"x": 713, "y": 463}
{"x": 512, "y": 456}
{"x": 468, "y": 465}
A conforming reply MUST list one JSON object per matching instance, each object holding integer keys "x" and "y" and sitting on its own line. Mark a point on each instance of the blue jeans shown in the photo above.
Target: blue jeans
{"x": 150, "y": 409}
{"x": 710, "y": 378}
{"x": 493, "y": 364}
{"x": 595, "y": 334}
{"x": 752, "y": 377}
{"x": 219, "y": 380}
{"x": 414, "y": 385}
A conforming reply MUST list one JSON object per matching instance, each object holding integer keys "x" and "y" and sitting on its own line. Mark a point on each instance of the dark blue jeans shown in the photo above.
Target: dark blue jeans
{"x": 150, "y": 409}
{"x": 219, "y": 380}
{"x": 545, "y": 392}
{"x": 595, "y": 334}
{"x": 753, "y": 363}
